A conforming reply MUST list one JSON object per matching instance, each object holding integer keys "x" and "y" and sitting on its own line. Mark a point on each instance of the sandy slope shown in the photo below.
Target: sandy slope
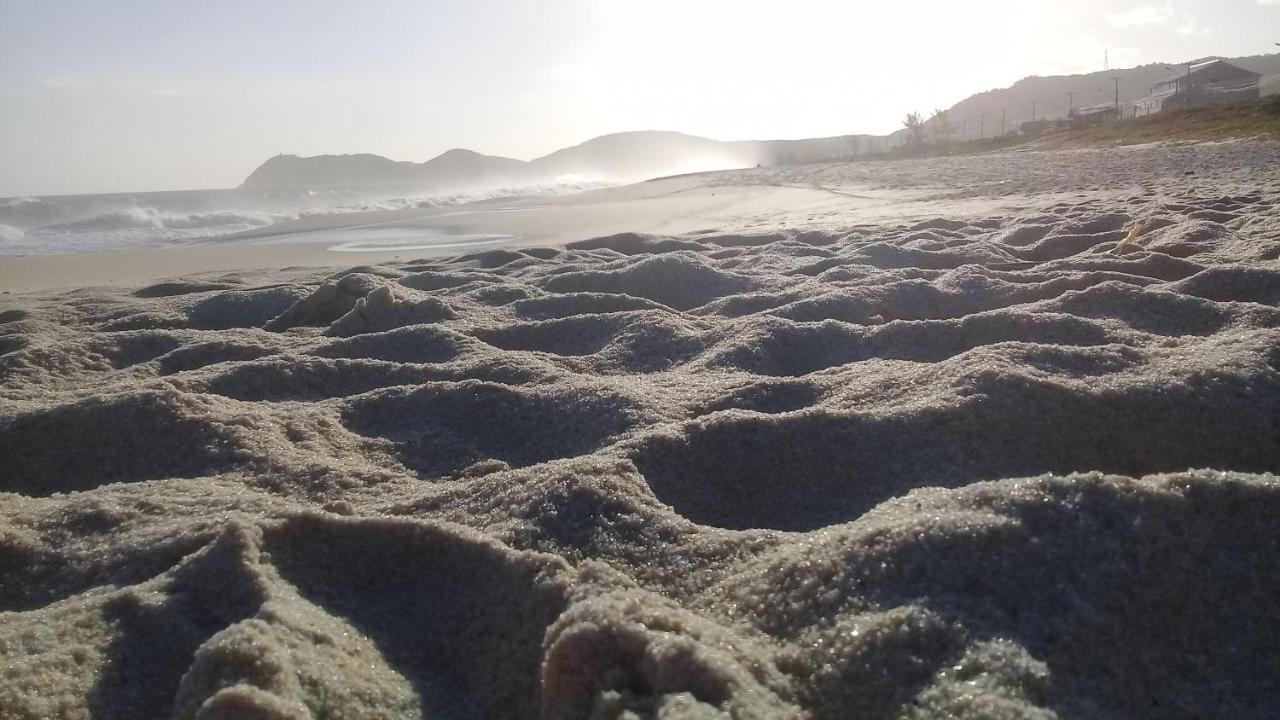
{"x": 984, "y": 465}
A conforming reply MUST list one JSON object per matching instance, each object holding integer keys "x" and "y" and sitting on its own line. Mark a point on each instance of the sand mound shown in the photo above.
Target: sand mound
{"x": 803, "y": 471}
{"x": 1234, "y": 284}
{"x": 127, "y": 438}
{"x": 326, "y": 303}
{"x": 428, "y": 281}
{"x": 621, "y": 342}
{"x": 125, "y": 349}
{"x": 386, "y": 309}
{"x": 567, "y": 305}
{"x": 169, "y": 289}
{"x": 679, "y": 280}
{"x": 438, "y": 431}
{"x": 633, "y": 244}
{"x": 243, "y": 308}
{"x": 203, "y": 354}
{"x": 309, "y": 379}
{"x": 415, "y": 344}
{"x": 978, "y": 465}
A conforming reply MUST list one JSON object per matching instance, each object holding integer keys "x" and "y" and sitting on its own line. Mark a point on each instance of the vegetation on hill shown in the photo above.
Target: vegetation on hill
{"x": 1256, "y": 118}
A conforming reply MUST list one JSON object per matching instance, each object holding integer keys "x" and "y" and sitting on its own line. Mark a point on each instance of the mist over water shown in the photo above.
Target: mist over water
{"x": 65, "y": 224}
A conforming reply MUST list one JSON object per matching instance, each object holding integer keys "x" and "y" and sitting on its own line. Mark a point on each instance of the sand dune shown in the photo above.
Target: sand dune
{"x": 978, "y": 465}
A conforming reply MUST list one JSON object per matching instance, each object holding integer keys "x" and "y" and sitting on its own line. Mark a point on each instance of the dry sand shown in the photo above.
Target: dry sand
{"x": 990, "y": 464}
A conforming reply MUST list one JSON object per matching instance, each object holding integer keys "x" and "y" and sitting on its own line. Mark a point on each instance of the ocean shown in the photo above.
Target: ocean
{"x": 63, "y": 224}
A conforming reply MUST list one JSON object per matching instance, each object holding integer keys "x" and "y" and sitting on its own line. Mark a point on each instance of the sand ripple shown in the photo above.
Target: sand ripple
{"x": 990, "y": 467}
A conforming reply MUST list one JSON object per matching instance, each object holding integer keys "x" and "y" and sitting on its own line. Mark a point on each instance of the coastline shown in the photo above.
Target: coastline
{"x": 663, "y": 207}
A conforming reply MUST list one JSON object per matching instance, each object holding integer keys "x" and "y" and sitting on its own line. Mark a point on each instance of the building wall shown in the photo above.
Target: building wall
{"x": 1090, "y": 119}
{"x": 1203, "y": 87}
{"x": 1198, "y": 96}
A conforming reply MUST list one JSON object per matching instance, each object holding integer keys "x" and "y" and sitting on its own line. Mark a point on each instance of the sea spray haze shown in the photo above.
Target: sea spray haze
{"x": 287, "y": 187}
{"x": 81, "y": 223}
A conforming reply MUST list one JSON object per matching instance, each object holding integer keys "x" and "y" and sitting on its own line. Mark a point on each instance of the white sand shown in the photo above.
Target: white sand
{"x": 813, "y": 460}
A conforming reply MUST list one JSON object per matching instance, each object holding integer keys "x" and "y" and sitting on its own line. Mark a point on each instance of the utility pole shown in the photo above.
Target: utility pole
{"x": 1033, "y": 110}
{"x": 982, "y": 128}
{"x": 1117, "y": 80}
{"x": 964, "y": 131}
{"x": 1071, "y": 103}
{"x": 1002, "y": 114}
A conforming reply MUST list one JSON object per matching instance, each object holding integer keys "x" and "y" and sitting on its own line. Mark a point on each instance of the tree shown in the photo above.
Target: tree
{"x": 940, "y": 128}
{"x": 914, "y": 124}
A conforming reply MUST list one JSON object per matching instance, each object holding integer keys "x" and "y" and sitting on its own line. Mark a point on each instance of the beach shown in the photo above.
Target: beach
{"x": 964, "y": 437}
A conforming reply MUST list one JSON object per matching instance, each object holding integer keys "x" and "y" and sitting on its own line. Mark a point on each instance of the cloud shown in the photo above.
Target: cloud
{"x": 62, "y": 81}
{"x": 78, "y": 82}
{"x": 1161, "y": 15}
{"x": 1269, "y": 2}
{"x": 1142, "y": 15}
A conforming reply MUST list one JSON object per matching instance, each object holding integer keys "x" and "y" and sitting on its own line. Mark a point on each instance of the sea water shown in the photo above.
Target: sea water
{"x": 64, "y": 224}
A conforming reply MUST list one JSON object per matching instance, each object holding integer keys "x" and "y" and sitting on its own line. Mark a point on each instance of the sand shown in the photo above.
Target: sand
{"x": 1012, "y": 460}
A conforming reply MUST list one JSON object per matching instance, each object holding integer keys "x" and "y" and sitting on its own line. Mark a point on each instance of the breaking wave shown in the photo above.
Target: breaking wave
{"x": 69, "y": 224}
{"x": 10, "y": 234}
{"x": 150, "y": 218}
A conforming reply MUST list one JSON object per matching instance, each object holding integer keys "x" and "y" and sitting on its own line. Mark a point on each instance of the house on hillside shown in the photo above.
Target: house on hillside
{"x": 1095, "y": 115}
{"x": 1204, "y": 83}
{"x": 1033, "y": 127}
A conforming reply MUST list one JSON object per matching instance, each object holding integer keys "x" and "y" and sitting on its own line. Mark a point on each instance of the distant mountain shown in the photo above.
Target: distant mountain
{"x": 633, "y": 156}
{"x": 456, "y": 169}
{"x": 466, "y": 168}
{"x": 641, "y": 155}
{"x": 331, "y": 171}
{"x": 622, "y": 157}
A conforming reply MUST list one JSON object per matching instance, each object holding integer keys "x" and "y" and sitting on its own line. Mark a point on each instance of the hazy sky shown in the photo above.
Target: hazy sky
{"x": 126, "y": 95}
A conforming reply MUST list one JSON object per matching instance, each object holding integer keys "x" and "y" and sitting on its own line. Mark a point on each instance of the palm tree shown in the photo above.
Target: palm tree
{"x": 941, "y": 128}
{"x": 915, "y": 130}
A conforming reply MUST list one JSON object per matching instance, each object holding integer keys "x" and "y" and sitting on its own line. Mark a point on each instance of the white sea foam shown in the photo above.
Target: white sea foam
{"x": 10, "y": 234}
{"x": 71, "y": 224}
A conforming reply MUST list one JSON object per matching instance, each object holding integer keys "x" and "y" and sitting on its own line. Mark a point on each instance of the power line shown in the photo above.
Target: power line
{"x": 1117, "y": 80}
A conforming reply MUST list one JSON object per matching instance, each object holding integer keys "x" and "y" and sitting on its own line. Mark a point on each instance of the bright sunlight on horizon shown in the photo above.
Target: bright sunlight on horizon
{"x": 143, "y": 95}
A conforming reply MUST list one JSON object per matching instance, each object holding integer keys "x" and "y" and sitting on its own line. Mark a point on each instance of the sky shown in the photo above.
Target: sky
{"x": 135, "y": 95}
